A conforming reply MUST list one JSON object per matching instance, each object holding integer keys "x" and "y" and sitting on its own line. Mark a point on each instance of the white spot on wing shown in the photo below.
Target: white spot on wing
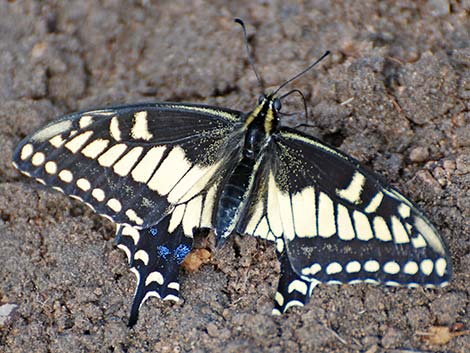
{"x": 172, "y": 169}
{"x": 98, "y": 194}
{"x": 326, "y": 216}
{"x": 274, "y": 216}
{"x": 154, "y": 277}
{"x": 144, "y": 169}
{"x": 297, "y": 286}
{"x": 130, "y": 213}
{"x": 52, "y": 130}
{"x": 176, "y": 217}
{"x": 78, "y": 141}
{"x": 140, "y": 128}
{"x": 108, "y": 158}
{"x": 353, "y": 267}
{"x": 391, "y": 267}
{"x": 279, "y": 298}
{"x": 410, "y": 268}
{"x": 83, "y": 184}
{"x": 430, "y": 234}
{"x": 131, "y": 232}
{"x": 362, "y": 225}
{"x": 142, "y": 255}
{"x": 126, "y": 250}
{"x": 172, "y": 297}
{"x": 381, "y": 229}
{"x": 114, "y": 130}
{"x": 57, "y": 141}
{"x": 441, "y": 265}
{"x": 293, "y": 303}
{"x": 66, "y": 176}
{"x": 38, "y": 158}
{"x": 174, "y": 285}
{"x": 427, "y": 266}
{"x": 51, "y": 167}
{"x": 374, "y": 203}
{"x": 353, "y": 192}
{"x": 255, "y": 219}
{"x": 192, "y": 215}
{"x": 125, "y": 164}
{"x": 206, "y": 219}
{"x": 304, "y": 210}
{"x": 93, "y": 149}
{"x": 26, "y": 151}
{"x": 345, "y": 228}
{"x": 114, "y": 204}
{"x": 404, "y": 210}
{"x": 371, "y": 266}
{"x": 312, "y": 270}
{"x": 418, "y": 241}
{"x": 399, "y": 232}
{"x": 333, "y": 268}
{"x": 84, "y": 121}
{"x": 279, "y": 245}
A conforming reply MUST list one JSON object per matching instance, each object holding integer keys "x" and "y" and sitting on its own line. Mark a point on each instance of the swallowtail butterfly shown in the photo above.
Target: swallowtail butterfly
{"x": 162, "y": 171}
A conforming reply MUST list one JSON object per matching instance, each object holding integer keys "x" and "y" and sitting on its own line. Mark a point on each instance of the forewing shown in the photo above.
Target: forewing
{"x": 338, "y": 222}
{"x": 133, "y": 164}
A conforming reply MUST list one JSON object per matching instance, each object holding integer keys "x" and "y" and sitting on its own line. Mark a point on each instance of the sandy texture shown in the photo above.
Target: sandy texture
{"x": 403, "y": 71}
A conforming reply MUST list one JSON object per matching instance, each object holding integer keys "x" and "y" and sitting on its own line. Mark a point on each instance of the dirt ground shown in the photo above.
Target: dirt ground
{"x": 395, "y": 93}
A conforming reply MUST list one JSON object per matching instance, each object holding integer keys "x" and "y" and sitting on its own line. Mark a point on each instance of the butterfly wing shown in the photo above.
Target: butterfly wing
{"x": 133, "y": 163}
{"x": 154, "y": 169}
{"x": 335, "y": 222}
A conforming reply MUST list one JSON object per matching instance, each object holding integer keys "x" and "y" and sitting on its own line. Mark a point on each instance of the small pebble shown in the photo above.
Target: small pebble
{"x": 419, "y": 154}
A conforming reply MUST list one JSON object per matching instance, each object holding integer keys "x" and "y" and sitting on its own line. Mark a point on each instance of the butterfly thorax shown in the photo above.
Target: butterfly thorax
{"x": 259, "y": 125}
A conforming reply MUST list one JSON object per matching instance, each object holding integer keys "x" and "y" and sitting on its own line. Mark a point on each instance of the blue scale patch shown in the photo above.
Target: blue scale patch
{"x": 163, "y": 251}
{"x": 181, "y": 252}
{"x": 154, "y": 231}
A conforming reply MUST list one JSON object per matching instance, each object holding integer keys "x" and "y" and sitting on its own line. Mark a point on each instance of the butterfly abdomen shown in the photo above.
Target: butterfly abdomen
{"x": 233, "y": 196}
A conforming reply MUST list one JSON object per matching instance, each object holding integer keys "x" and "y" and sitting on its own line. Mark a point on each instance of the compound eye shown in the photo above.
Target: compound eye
{"x": 261, "y": 99}
{"x": 277, "y": 104}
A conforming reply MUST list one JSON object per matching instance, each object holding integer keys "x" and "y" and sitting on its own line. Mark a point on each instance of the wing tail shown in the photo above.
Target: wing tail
{"x": 293, "y": 290}
{"x": 155, "y": 255}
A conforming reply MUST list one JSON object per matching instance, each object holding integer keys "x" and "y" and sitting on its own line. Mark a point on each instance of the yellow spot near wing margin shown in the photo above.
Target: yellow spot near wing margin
{"x": 429, "y": 233}
{"x": 140, "y": 128}
{"x": 114, "y": 130}
{"x": 26, "y": 151}
{"x": 52, "y": 130}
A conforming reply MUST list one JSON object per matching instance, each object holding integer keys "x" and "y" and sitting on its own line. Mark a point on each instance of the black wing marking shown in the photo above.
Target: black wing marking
{"x": 338, "y": 223}
{"x": 133, "y": 164}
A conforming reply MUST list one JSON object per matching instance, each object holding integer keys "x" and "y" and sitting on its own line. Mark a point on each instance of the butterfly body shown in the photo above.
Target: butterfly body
{"x": 237, "y": 189}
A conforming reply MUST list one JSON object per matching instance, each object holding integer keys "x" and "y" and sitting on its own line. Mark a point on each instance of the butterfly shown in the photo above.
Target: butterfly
{"x": 164, "y": 171}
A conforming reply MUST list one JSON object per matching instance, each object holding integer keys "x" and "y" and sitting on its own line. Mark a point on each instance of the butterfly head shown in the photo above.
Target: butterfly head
{"x": 266, "y": 114}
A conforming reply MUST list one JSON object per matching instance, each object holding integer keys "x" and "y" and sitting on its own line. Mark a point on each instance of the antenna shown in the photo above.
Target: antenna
{"x": 303, "y": 98}
{"x": 250, "y": 57}
{"x": 302, "y": 72}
